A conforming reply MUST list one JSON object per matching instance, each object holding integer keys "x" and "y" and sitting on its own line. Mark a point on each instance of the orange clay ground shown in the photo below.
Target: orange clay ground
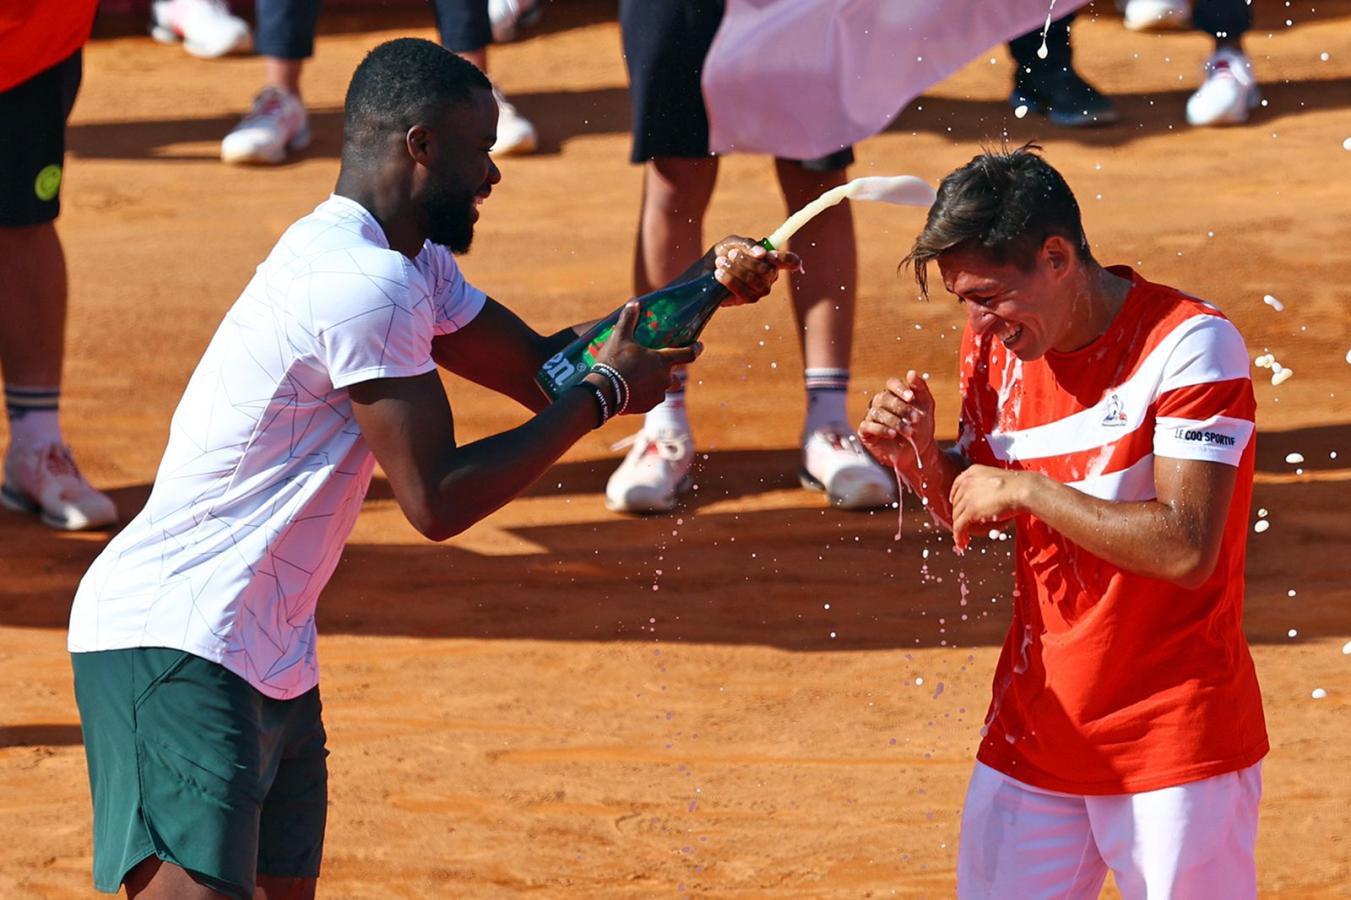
{"x": 727, "y": 701}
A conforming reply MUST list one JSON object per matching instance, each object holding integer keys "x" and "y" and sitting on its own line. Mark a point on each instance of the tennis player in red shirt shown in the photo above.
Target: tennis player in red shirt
{"x": 1110, "y": 419}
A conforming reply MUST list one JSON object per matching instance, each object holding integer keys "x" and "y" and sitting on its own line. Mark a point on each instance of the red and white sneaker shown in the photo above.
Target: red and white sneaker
{"x": 1229, "y": 93}
{"x": 276, "y": 125}
{"x": 206, "y": 27}
{"x": 835, "y": 462}
{"x": 44, "y": 481}
{"x": 653, "y": 474}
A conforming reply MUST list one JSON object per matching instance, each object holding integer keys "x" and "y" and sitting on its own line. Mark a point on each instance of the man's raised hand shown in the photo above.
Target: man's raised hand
{"x": 747, "y": 269}
{"x": 900, "y": 423}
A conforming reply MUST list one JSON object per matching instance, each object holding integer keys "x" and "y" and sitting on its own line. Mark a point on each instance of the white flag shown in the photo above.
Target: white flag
{"x": 803, "y": 78}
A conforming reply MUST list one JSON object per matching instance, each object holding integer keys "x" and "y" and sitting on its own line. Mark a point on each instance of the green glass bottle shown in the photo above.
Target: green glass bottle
{"x": 673, "y": 316}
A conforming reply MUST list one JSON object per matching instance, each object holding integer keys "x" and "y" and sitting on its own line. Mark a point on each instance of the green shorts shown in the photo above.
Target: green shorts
{"x": 190, "y": 763}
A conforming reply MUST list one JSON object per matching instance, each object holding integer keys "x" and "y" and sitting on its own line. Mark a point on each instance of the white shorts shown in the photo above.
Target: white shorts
{"x": 1189, "y": 842}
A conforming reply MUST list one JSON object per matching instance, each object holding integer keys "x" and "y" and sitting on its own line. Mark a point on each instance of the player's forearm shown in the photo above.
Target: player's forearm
{"x": 482, "y": 476}
{"x": 1146, "y": 538}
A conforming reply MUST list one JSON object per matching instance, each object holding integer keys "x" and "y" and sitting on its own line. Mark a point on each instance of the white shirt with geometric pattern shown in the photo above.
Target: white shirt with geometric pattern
{"x": 266, "y": 468}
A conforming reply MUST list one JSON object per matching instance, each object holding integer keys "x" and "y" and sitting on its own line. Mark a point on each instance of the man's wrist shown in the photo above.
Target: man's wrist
{"x": 595, "y": 379}
{"x": 1030, "y": 487}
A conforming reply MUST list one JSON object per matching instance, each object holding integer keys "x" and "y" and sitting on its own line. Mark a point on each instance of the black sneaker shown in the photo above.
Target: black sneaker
{"x": 1063, "y": 98}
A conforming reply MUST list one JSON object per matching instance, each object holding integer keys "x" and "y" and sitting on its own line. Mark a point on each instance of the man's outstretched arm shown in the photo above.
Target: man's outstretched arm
{"x": 1175, "y": 537}
{"x": 501, "y": 352}
{"x": 443, "y": 488}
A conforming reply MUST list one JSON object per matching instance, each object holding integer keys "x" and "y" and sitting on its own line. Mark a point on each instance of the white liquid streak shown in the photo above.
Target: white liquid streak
{"x": 900, "y": 487}
{"x": 902, "y": 190}
{"x": 1042, "y": 51}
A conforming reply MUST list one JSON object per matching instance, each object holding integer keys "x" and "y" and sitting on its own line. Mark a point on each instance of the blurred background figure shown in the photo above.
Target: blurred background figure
{"x": 206, "y": 28}
{"x": 1228, "y": 93}
{"x": 40, "y": 72}
{"x": 665, "y": 44}
{"x": 278, "y": 123}
{"x": 1050, "y": 86}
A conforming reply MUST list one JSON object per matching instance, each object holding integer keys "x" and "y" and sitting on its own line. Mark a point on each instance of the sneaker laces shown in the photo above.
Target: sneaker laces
{"x": 842, "y": 439}
{"x": 61, "y": 463}
{"x": 269, "y": 104}
{"x": 1230, "y": 64}
{"x": 669, "y": 446}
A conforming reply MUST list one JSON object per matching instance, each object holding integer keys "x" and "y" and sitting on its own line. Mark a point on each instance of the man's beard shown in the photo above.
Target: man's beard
{"x": 450, "y": 220}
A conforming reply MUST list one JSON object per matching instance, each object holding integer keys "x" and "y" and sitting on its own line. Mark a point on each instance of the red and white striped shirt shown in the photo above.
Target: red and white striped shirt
{"x": 1111, "y": 682}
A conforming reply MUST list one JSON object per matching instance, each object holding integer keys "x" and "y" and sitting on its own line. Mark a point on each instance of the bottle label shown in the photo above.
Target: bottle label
{"x": 560, "y": 370}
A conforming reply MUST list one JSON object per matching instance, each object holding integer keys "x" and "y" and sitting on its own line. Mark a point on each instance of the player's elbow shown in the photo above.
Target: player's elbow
{"x": 435, "y": 525}
{"x": 1189, "y": 567}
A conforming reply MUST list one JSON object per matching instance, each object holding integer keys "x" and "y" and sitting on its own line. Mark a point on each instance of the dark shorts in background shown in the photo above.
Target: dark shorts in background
{"x": 665, "y": 42}
{"x": 33, "y": 143}
{"x": 286, "y": 28}
{"x": 190, "y": 763}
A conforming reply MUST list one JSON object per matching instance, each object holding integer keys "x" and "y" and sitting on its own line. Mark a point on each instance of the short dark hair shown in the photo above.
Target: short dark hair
{"x": 402, "y": 83}
{"x": 1004, "y": 203}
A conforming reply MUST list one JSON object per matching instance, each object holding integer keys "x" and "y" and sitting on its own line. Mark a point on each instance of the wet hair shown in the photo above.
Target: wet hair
{"x": 402, "y": 83}
{"x": 1003, "y": 204}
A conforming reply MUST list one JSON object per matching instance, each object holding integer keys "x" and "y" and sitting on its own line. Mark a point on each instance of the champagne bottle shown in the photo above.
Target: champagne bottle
{"x": 673, "y": 316}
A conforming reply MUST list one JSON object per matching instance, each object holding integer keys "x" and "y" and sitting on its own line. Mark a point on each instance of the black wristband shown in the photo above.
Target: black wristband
{"x": 602, "y": 405}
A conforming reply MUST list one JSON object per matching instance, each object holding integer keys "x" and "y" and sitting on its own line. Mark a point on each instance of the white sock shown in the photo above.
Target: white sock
{"x": 669, "y": 415}
{"x": 827, "y": 390}
{"x": 33, "y": 417}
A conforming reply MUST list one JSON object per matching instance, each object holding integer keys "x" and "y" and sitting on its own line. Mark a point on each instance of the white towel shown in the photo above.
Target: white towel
{"x": 803, "y": 78}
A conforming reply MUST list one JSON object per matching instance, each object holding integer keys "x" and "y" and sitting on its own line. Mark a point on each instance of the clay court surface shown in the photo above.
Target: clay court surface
{"x": 757, "y": 696}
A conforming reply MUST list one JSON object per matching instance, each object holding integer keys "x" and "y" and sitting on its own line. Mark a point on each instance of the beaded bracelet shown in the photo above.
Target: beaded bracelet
{"x": 618, "y": 383}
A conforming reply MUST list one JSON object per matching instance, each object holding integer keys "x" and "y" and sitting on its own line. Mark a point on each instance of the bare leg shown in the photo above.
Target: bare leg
{"x": 478, "y": 57}
{"x": 270, "y": 887}
{"x": 32, "y": 306}
{"x": 676, "y": 192}
{"x": 823, "y": 294}
{"x": 154, "y": 879}
{"x": 823, "y": 304}
{"x": 283, "y": 73}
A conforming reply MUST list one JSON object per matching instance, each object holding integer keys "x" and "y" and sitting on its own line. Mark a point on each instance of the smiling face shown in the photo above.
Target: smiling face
{"x": 457, "y": 173}
{"x": 1028, "y": 311}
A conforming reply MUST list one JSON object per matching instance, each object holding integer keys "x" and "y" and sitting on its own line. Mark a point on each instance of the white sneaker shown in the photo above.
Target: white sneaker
{"x": 277, "y": 123}
{"x": 834, "y": 461}
{"x": 509, "y": 15}
{"x": 45, "y": 481}
{"x": 1157, "y": 15}
{"x": 515, "y": 135}
{"x": 1229, "y": 92}
{"x": 206, "y": 27}
{"x": 655, "y": 471}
